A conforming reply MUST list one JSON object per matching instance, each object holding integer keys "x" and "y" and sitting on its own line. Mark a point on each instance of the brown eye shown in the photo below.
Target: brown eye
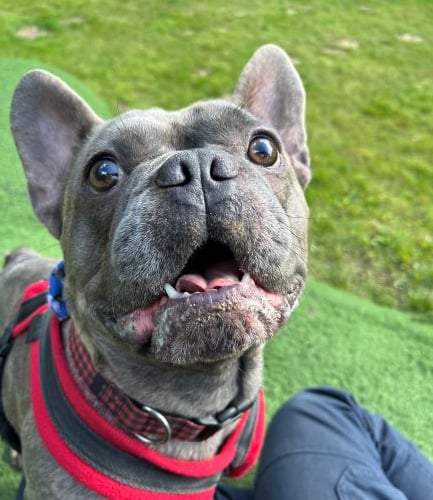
{"x": 263, "y": 150}
{"x": 104, "y": 175}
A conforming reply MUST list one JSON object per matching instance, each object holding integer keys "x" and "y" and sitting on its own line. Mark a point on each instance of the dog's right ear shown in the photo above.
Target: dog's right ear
{"x": 49, "y": 122}
{"x": 271, "y": 89}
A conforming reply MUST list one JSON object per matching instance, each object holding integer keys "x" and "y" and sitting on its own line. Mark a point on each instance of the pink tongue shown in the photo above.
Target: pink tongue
{"x": 219, "y": 275}
{"x": 191, "y": 283}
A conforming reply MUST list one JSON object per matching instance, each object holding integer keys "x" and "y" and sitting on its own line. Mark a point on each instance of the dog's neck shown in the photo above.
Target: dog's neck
{"x": 194, "y": 392}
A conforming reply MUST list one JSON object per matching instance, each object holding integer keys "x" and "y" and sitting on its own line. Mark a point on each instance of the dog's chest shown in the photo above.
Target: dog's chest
{"x": 83, "y": 447}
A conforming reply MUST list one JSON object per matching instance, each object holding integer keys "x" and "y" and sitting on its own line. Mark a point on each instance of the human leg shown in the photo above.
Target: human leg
{"x": 322, "y": 445}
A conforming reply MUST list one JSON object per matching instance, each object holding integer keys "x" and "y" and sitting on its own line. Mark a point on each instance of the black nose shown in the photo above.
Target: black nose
{"x": 191, "y": 166}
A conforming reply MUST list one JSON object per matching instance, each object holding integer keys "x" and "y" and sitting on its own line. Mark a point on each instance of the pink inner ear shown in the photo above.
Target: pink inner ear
{"x": 271, "y": 89}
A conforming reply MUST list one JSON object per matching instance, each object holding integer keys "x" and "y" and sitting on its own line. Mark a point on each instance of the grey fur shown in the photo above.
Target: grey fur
{"x": 122, "y": 246}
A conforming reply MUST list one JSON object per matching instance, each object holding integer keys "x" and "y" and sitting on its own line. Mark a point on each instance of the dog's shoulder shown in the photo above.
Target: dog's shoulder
{"x": 21, "y": 267}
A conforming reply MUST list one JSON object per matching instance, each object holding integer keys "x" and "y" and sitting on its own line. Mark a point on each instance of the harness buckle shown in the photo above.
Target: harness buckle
{"x": 227, "y": 416}
{"x": 165, "y": 426}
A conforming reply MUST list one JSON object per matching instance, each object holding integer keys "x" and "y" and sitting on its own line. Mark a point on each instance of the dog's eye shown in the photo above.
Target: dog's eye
{"x": 104, "y": 175}
{"x": 263, "y": 150}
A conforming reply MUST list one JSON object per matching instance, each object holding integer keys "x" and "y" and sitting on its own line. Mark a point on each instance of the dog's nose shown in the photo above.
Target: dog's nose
{"x": 186, "y": 167}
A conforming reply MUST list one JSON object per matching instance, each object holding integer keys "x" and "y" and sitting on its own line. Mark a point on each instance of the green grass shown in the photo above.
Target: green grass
{"x": 370, "y": 116}
{"x": 370, "y": 109}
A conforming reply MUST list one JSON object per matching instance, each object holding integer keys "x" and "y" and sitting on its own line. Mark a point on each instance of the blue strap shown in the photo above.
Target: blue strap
{"x": 55, "y": 292}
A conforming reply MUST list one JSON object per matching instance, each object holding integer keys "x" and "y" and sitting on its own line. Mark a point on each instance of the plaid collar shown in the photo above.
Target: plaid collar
{"x": 144, "y": 423}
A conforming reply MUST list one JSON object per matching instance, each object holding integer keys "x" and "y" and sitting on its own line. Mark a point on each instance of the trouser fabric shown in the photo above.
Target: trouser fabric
{"x": 322, "y": 445}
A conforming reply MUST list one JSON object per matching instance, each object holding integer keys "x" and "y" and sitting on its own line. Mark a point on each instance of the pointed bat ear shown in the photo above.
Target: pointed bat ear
{"x": 49, "y": 121}
{"x": 271, "y": 89}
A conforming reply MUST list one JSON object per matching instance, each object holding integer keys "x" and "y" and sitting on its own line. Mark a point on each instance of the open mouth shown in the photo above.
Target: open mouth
{"x": 210, "y": 268}
{"x": 213, "y": 304}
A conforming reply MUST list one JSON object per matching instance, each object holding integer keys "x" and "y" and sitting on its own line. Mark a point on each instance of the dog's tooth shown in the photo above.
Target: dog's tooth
{"x": 171, "y": 291}
{"x": 246, "y": 278}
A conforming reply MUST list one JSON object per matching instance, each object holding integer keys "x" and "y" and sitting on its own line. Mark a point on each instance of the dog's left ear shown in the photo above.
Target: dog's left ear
{"x": 49, "y": 122}
{"x": 271, "y": 89}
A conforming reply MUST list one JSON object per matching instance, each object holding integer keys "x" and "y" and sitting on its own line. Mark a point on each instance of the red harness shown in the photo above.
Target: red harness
{"x": 102, "y": 456}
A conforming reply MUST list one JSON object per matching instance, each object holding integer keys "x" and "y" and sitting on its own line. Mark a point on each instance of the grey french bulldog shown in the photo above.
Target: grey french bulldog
{"x": 184, "y": 236}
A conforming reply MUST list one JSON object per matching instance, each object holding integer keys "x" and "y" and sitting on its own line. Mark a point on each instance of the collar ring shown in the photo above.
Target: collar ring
{"x": 164, "y": 424}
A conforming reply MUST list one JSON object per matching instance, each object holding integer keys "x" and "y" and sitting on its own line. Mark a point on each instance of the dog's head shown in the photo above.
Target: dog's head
{"x": 184, "y": 232}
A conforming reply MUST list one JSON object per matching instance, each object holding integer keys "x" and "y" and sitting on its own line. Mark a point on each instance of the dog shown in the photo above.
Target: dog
{"x": 184, "y": 237}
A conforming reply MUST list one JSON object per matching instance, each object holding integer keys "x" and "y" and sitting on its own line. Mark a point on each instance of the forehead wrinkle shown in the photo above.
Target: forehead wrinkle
{"x": 134, "y": 135}
{"x": 212, "y": 122}
{"x": 139, "y": 134}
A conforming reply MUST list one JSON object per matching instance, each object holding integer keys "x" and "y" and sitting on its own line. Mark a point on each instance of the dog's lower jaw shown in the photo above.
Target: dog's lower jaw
{"x": 208, "y": 326}
{"x": 237, "y": 319}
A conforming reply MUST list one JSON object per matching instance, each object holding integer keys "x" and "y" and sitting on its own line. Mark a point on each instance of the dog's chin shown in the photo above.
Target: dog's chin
{"x": 209, "y": 325}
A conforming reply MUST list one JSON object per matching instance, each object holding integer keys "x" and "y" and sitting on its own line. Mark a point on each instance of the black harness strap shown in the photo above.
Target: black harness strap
{"x": 7, "y": 432}
{"x": 29, "y": 306}
{"x": 246, "y": 436}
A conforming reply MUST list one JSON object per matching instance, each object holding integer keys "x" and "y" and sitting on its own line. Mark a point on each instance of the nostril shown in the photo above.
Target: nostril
{"x": 174, "y": 172}
{"x": 185, "y": 167}
{"x": 186, "y": 174}
{"x": 222, "y": 169}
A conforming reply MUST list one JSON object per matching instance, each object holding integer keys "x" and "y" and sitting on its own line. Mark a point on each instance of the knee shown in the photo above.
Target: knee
{"x": 324, "y": 400}
{"x": 322, "y": 418}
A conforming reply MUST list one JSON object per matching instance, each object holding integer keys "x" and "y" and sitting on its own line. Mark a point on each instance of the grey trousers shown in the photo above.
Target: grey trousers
{"x": 321, "y": 445}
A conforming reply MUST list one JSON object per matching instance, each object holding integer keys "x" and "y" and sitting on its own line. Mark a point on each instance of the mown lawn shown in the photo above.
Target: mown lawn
{"x": 367, "y": 67}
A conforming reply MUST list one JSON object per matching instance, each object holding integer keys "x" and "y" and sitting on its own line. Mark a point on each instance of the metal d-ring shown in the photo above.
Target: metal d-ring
{"x": 165, "y": 425}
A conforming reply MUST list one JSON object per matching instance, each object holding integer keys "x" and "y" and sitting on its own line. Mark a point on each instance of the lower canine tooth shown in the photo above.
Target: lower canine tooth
{"x": 172, "y": 292}
{"x": 245, "y": 278}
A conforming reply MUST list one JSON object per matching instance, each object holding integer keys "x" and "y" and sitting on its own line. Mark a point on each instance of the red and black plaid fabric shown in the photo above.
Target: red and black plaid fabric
{"x": 126, "y": 414}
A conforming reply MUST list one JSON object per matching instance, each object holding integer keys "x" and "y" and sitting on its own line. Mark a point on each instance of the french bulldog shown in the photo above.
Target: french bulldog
{"x": 184, "y": 237}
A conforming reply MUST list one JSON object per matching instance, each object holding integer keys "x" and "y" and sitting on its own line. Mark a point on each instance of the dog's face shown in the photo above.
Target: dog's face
{"x": 184, "y": 233}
